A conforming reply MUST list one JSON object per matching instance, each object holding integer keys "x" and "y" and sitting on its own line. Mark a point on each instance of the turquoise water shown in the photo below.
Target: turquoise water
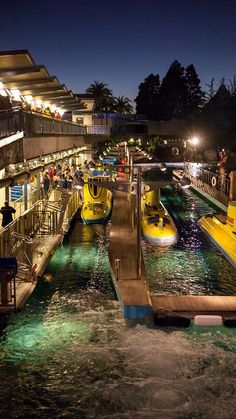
{"x": 193, "y": 265}
{"x": 70, "y": 354}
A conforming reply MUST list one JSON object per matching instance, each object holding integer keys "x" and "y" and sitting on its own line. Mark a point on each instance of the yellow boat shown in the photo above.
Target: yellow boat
{"x": 221, "y": 229}
{"x": 97, "y": 201}
{"x": 157, "y": 225}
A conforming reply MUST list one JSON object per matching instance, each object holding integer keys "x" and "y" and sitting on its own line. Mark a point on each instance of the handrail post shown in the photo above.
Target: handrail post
{"x": 139, "y": 255}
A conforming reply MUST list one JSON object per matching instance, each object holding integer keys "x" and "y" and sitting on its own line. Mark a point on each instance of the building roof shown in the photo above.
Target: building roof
{"x": 19, "y": 71}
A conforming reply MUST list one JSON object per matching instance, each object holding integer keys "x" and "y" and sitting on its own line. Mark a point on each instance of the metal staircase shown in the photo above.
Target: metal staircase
{"x": 50, "y": 218}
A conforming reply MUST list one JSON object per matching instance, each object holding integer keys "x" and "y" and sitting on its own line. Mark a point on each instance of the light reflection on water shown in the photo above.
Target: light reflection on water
{"x": 69, "y": 353}
{"x": 193, "y": 265}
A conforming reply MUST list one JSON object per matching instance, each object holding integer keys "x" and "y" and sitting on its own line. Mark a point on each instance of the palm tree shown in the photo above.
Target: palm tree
{"x": 102, "y": 95}
{"x": 122, "y": 105}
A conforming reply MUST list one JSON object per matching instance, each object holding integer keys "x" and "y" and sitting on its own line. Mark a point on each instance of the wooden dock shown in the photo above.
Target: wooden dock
{"x": 191, "y": 305}
{"x": 132, "y": 292}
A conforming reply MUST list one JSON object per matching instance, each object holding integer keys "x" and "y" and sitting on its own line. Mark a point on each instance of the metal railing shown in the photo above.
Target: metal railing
{"x": 98, "y": 130}
{"x": 214, "y": 184}
{"x": 11, "y": 121}
{"x": 33, "y": 123}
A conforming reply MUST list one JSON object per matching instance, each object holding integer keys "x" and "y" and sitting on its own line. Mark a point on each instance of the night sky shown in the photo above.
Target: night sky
{"x": 121, "y": 42}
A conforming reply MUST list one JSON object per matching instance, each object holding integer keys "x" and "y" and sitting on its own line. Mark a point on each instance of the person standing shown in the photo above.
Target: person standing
{"x": 46, "y": 183}
{"x": 7, "y": 212}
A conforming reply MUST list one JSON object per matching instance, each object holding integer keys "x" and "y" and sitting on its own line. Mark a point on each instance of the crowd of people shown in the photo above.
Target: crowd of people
{"x": 65, "y": 176}
{"x": 61, "y": 176}
{"x": 57, "y": 176}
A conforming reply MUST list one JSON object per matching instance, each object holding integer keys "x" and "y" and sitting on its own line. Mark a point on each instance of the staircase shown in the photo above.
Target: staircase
{"x": 50, "y": 218}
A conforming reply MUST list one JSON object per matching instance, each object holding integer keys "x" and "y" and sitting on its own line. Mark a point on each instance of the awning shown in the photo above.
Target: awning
{"x": 18, "y": 71}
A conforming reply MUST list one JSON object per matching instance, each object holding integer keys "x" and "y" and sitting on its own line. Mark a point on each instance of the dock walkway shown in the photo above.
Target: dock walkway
{"x": 191, "y": 305}
{"x": 132, "y": 292}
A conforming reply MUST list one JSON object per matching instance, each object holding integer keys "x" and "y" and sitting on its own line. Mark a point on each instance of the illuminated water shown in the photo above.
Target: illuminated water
{"x": 69, "y": 353}
{"x": 193, "y": 265}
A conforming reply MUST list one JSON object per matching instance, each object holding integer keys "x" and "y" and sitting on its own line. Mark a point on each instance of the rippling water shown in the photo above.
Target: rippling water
{"x": 69, "y": 353}
{"x": 193, "y": 265}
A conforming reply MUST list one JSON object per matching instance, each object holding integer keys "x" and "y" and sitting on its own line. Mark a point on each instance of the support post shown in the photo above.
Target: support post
{"x": 38, "y": 186}
{"x": 139, "y": 255}
{"x": 232, "y": 189}
{"x": 132, "y": 206}
{"x": 25, "y": 189}
{"x": 7, "y": 194}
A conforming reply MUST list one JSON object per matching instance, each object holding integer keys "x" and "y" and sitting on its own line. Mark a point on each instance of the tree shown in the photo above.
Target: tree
{"x": 122, "y": 105}
{"x": 147, "y": 101}
{"x": 173, "y": 93}
{"x": 218, "y": 116}
{"x": 195, "y": 95}
{"x": 232, "y": 86}
{"x": 211, "y": 89}
{"x": 102, "y": 95}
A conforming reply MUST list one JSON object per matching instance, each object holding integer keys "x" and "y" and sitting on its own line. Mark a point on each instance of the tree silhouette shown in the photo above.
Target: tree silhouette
{"x": 122, "y": 105}
{"x": 194, "y": 94}
{"x": 147, "y": 101}
{"x": 173, "y": 92}
{"x": 102, "y": 95}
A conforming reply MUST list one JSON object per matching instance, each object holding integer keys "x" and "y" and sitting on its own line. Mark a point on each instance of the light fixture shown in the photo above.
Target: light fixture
{"x": 16, "y": 94}
{"x": 38, "y": 103}
{"x": 194, "y": 140}
{"x": 3, "y": 92}
{"x": 28, "y": 99}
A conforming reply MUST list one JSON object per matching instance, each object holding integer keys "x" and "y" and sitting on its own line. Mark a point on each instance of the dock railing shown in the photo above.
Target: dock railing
{"x": 214, "y": 184}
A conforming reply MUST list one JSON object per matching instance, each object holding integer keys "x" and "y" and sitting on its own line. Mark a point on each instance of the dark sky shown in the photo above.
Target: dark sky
{"x": 120, "y": 42}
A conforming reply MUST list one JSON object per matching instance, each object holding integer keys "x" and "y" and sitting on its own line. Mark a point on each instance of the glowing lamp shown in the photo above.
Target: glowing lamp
{"x": 194, "y": 140}
{"x": 3, "y": 92}
{"x": 16, "y": 94}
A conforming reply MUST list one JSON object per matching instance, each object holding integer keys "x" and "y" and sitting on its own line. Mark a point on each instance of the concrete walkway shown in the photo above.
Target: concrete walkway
{"x": 43, "y": 250}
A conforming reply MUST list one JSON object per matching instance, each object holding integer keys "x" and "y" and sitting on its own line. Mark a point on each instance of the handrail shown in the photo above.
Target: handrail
{"x": 16, "y": 119}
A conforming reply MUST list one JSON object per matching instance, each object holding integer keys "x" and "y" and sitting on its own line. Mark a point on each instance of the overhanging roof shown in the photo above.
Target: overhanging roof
{"x": 18, "y": 70}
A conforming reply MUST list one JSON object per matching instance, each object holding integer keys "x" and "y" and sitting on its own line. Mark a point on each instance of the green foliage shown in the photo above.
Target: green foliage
{"x": 179, "y": 94}
{"x": 104, "y": 100}
{"x": 147, "y": 101}
{"x": 122, "y": 105}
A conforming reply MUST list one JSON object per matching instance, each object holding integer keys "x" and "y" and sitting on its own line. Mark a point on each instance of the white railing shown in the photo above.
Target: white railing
{"x": 98, "y": 129}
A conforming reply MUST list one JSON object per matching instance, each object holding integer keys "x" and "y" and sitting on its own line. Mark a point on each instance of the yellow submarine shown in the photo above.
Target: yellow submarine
{"x": 221, "y": 229}
{"x": 157, "y": 225}
{"x": 97, "y": 201}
